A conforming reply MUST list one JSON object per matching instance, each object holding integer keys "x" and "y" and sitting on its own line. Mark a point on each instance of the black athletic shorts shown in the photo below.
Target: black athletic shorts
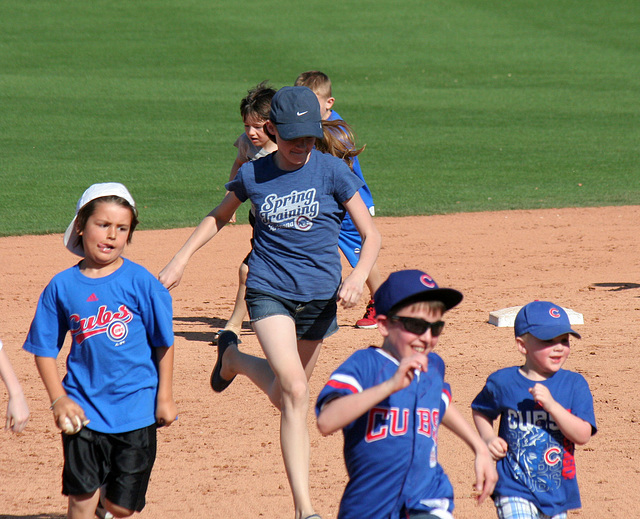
{"x": 121, "y": 462}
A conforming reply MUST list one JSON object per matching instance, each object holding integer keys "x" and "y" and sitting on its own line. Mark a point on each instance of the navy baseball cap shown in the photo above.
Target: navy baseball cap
{"x": 296, "y": 113}
{"x": 543, "y": 320}
{"x": 405, "y": 287}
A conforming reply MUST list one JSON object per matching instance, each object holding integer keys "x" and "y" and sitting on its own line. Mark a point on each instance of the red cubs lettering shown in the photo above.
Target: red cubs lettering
{"x": 82, "y": 329}
{"x": 396, "y": 429}
{"x": 568, "y": 460}
{"x": 382, "y": 422}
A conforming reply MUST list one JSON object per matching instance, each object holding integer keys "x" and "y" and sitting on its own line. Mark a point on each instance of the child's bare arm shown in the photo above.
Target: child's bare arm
{"x": 171, "y": 275}
{"x": 343, "y": 410}
{"x": 497, "y": 446}
{"x": 166, "y": 409}
{"x": 17, "y": 409}
{"x": 486, "y": 474}
{"x": 352, "y": 287}
{"x": 575, "y": 429}
{"x": 61, "y": 405}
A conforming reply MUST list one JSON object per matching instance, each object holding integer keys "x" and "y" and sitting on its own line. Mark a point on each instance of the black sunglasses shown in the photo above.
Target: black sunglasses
{"x": 418, "y": 326}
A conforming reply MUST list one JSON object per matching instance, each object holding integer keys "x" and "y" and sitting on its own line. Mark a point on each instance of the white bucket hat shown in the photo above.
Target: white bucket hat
{"x": 95, "y": 191}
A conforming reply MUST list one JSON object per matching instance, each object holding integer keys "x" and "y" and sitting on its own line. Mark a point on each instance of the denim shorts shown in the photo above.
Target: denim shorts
{"x": 315, "y": 320}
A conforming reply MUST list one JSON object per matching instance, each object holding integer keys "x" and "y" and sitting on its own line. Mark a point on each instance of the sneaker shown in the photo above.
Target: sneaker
{"x": 369, "y": 319}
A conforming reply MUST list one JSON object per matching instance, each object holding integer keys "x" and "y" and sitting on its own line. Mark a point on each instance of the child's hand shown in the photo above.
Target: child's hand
{"x": 171, "y": 275}
{"x": 166, "y": 412}
{"x": 68, "y": 415}
{"x": 542, "y": 396}
{"x": 350, "y": 291}
{"x": 486, "y": 475}
{"x": 497, "y": 447}
{"x": 406, "y": 370}
{"x": 17, "y": 414}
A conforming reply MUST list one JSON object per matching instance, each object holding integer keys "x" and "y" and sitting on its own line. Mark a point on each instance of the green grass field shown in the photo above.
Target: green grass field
{"x": 465, "y": 105}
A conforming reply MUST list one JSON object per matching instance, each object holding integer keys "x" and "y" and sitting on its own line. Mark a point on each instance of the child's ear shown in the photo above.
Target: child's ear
{"x": 383, "y": 325}
{"x": 270, "y": 127}
{"x": 522, "y": 345}
{"x": 329, "y": 102}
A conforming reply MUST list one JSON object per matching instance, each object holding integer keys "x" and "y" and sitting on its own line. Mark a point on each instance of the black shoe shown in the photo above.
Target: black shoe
{"x": 225, "y": 339}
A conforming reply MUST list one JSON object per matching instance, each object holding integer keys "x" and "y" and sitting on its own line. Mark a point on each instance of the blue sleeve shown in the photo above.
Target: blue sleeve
{"x": 346, "y": 184}
{"x": 49, "y": 326}
{"x": 236, "y": 185}
{"x": 582, "y": 405}
{"x": 158, "y": 319}
{"x": 485, "y": 402}
{"x": 345, "y": 380}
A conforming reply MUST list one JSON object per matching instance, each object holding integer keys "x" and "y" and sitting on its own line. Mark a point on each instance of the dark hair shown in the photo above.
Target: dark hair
{"x": 339, "y": 141}
{"x": 89, "y": 208}
{"x": 257, "y": 102}
{"x": 317, "y": 81}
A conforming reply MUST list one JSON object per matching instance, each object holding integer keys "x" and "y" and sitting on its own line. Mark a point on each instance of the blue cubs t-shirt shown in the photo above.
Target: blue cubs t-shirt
{"x": 540, "y": 464}
{"x": 115, "y": 322}
{"x": 298, "y": 218}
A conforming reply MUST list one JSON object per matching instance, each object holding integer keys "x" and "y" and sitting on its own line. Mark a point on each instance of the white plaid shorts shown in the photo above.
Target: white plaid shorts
{"x": 519, "y": 508}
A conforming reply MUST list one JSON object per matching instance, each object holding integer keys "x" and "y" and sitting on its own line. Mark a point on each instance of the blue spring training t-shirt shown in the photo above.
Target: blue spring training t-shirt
{"x": 298, "y": 218}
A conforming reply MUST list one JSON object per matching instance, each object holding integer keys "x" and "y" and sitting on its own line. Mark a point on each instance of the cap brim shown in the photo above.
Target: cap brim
{"x": 70, "y": 239}
{"x": 288, "y": 132}
{"x": 546, "y": 333}
{"x": 448, "y": 296}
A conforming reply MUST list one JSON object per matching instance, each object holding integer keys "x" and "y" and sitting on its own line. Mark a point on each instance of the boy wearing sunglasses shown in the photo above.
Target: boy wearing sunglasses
{"x": 389, "y": 402}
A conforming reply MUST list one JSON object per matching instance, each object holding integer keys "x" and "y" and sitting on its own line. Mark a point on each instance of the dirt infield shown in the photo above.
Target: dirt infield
{"x": 221, "y": 459}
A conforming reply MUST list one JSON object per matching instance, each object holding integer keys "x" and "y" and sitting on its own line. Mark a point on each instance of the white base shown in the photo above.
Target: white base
{"x": 507, "y": 316}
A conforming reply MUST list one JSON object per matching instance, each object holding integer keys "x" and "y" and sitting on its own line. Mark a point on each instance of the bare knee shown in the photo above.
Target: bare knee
{"x": 295, "y": 394}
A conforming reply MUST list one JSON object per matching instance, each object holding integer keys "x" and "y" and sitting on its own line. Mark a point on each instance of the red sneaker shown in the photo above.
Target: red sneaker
{"x": 369, "y": 319}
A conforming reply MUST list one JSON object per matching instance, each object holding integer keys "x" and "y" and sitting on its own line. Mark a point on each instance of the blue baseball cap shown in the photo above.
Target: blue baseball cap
{"x": 296, "y": 113}
{"x": 543, "y": 320}
{"x": 405, "y": 287}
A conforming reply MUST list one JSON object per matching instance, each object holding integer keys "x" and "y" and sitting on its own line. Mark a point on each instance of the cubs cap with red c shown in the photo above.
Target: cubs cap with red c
{"x": 544, "y": 320}
{"x": 405, "y": 287}
{"x": 70, "y": 238}
{"x": 296, "y": 113}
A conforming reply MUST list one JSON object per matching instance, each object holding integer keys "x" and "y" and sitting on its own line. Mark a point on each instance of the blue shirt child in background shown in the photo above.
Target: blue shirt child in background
{"x": 350, "y": 241}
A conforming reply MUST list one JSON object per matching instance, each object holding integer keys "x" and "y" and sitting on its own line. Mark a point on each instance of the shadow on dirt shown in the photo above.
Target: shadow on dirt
{"x": 616, "y": 287}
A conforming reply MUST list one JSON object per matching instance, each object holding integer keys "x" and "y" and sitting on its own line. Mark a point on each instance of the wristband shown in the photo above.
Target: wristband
{"x": 54, "y": 402}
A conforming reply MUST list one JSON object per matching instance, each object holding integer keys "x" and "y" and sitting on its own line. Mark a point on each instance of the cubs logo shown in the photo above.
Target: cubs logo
{"x": 303, "y": 223}
{"x": 117, "y": 331}
{"x": 427, "y": 281}
{"x": 554, "y": 312}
